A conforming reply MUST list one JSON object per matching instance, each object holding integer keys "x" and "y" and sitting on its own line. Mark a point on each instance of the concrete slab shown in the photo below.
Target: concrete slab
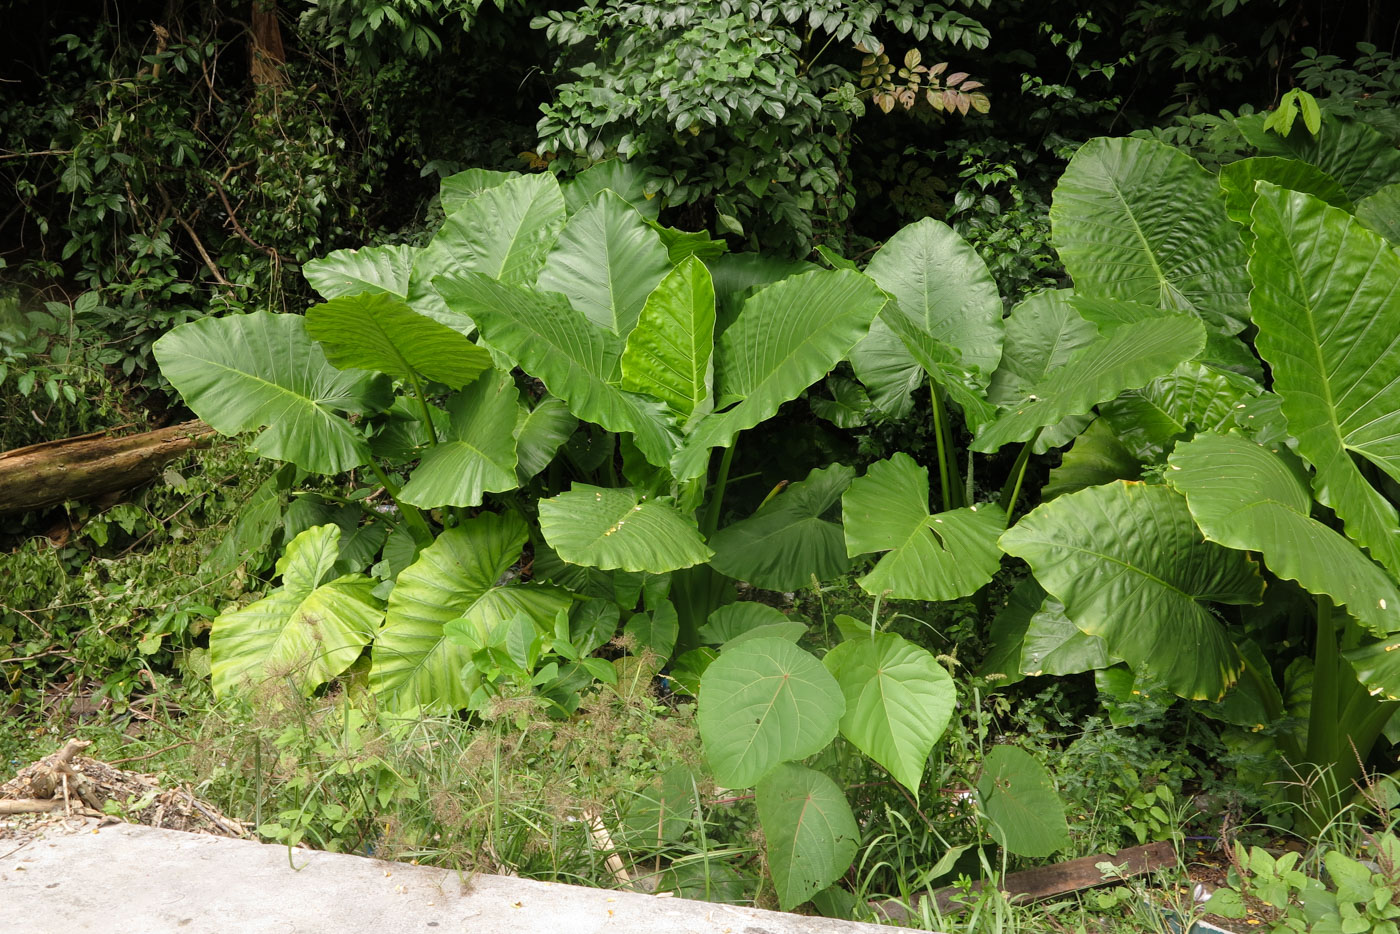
{"x": 138, "y": 880}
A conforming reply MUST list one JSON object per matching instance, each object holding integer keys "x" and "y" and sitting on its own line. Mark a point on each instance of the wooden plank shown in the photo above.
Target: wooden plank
{"x": 1047, "y": 881}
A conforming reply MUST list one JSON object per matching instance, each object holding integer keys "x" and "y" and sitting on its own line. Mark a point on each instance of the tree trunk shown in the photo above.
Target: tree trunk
{"x": 76, "y": 468}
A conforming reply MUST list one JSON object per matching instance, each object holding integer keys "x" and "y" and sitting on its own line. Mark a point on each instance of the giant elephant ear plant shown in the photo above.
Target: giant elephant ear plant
{"x": 1292, "y": 479}
{"x": 540, "y": 392}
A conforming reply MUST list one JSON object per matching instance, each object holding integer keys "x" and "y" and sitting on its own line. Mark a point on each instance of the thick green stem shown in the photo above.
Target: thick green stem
{"x": 716, "y": 503}
{"x": 423, "y": 404}
{"x": 410, "y": 513}
{"x": 1012, "y": 490}
{"x": 945, "y": 468}
{"x": 1322, "y": 718}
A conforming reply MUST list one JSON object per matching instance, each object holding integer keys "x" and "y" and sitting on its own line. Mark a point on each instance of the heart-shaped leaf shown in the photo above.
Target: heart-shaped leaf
{"x": 477, "y": 456}
{"x": 455, "y": 577}
{"x": 898, "y": 701}
{"x": 1129, "y": 565}
{"x": 620, "y": 528}
{"x": 1027, "y": 816}
{"x": 305, "y": 631}
{"x": 242, "y": 372}
{"x": 809, "y": 830}
{"x": 931, "y": 557}
{"x": 764, "y": 703}
{"x": 786, "y": 542}
{"x": 1327, "y": 304}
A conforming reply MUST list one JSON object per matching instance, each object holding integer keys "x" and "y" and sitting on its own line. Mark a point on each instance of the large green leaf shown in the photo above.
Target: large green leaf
{"x": 503, "y": 232}
{"x": 1096, "y": 457}
{"x": 606, "y": 262}
{"x": 625, "y": 179}
{"x": 730, "y": 622}
{"x": 669, "y": 354}
{"x": 738, "y": 275}
{"x": 1327, "y": 304}
{"x": 571, "y": 355}
{"x": 787, "y": 542}
{"x": 1042, "y": 334}
{"x": 460, "y": 188}
{"x": 453, "y": 578}
{"x": 304, "y": 631}
{"x": 1237, "y": 181}
{"x": 931, "y": 557}
{"x": 1129, "y": 565}
{"x": 1360, "y": 158}
{"x": 763, "y": 703}
{"x": 1127, "y": 357}
{"x": 1245, "y": 496}
{"x": 898, "y": 701}
{"x": 809, "y": 830}
{"x": 788, "y": 336}
{"x": 1381, "y": 212}
{"x": 261, "y": 370}
{"x": 1027, "y": 816}
{"x": 1141, "y": 221}
{"x": 477, "y": 456}
{"x": 1033, "y": 636}
{"x": 620, "y": 528}
{"x": 1193, "y": 397}
{"x": 380, "y": 332}
{"x": 944, "y": 365}
{"x": 538, "y": 434}
{"x": 381, "y": 269}
{"x": 941, "y": 283}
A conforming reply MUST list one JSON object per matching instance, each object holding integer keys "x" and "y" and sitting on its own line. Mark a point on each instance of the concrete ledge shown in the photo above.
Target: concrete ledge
{"x": 139, "y": 880}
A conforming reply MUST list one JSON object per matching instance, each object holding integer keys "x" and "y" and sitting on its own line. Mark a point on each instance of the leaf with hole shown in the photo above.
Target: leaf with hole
{"x": 809, "y": 830}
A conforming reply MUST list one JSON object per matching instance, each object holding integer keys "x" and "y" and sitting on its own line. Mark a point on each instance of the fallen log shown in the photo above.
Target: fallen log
{"x": 1048, "y": 881}
{"x": 54, "y": 472}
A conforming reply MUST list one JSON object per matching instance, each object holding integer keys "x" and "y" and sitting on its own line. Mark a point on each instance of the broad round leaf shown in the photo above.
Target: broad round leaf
{"x": 931, "y": 557}
{"x": 764, "y": 703}
{"x": 304, "y": 631}
{"x": 538, "y": 434}
{"x": 898, "y": 701}
{"x": 1042, "y": 334}
{"x": 1193, "y": 397}
{"x": 1327, "y": 303}
{"x": 1127, "y": 357}
{"x": 1359, "y": 157}
{"x": 1097, "y": 457}
{"x": 477, "y": 456}
{"x": 620, "y": 528}
{"x": 1027, "y": 816}
{"x": 455, "y": 577}
{"x": 627, "y": 180}
{"x": 383, "y": 269}
{"x": 943, "y": 286}
{"x": 1247, "y": 497}
{"x": 786, "y": 542}
{"x": 1141, "y": 221}
{"x": 730, "y": 622}
{"x": 1129, "y": 565}
{"x": 606, "y": 262}
{"x": 380, "y": 332}
{"x": 1381, "y": 212}
{"x": 572, "y": 356}
{"x": 1237, "y": 181}
{"x": 788, "y": 336}
{"x": 262, "y": 370}
{"x": 504, "y": 232}
{"x": 460, "y": 188}
{"x": 669, "y": 353}
{"x": 809, "y": 830}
